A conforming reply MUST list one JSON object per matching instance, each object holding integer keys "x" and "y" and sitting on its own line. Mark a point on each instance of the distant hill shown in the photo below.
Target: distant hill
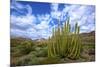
{"x": 87, "y": 38}
{"x": 92, "y": 33}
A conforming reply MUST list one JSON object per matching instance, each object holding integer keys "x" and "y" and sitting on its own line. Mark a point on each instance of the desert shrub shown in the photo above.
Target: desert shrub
{"x": 15, "y": 52}
{"x": 42, "y": 52}
{"x": 25, "y": 47}
{"x": 34, "y": 61}
{"x": 24, "y": 60}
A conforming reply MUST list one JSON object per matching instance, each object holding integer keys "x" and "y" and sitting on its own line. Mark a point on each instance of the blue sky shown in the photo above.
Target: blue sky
{"x": 35, "y": 20}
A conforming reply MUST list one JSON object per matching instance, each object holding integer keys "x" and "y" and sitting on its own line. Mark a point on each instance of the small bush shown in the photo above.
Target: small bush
{"x": 42, "y": 52}
{"x": 25, "y": 47}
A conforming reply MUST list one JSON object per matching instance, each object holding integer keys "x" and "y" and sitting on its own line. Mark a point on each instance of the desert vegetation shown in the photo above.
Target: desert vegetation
{"x": 64, "y": 46}
{"x": 64, "y": 43}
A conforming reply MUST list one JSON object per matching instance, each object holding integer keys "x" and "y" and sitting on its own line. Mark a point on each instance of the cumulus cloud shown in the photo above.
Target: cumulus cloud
{"x": 84, "y": 15}
{"x": 25, "y": 23}
{"x": 54, "y": 7}
{"x": 55, "y": 13}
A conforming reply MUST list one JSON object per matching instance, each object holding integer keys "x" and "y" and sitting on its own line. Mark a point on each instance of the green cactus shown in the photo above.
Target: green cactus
{"x": 63, "y": 43}
{"x": 50, "y": 53}
{"x": 75, "y": 44}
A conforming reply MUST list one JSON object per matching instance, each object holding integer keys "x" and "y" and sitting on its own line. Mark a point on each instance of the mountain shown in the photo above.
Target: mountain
{"x": 87, "y": 38}
{"x": 92, "y": 33}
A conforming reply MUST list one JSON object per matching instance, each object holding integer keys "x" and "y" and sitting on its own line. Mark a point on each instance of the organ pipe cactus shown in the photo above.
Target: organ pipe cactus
{"x": 63, "y": 43}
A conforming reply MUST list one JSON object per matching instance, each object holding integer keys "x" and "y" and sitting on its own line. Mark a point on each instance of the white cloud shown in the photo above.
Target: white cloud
{"x": 56, "y": 14}
{"x": 18, "y": 33}
{"x": 42, "y": 25}
{"x": 87, "y": 29}
{"x": 29, "y": 9}
{"x": 34, "y": 31}
{"x": 77, "y": 13}
{"x": 82, "y": 14}
{"x": 44, "y": 17}
{"x": 23, "y": 20}
{"x": 54, "y": 7}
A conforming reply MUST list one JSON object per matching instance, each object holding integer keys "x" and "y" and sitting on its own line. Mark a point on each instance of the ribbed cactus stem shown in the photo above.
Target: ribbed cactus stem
{"x": 50, "y": 54}
{"x": 48, "y": 47}
{"x": 75, "y": 50}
